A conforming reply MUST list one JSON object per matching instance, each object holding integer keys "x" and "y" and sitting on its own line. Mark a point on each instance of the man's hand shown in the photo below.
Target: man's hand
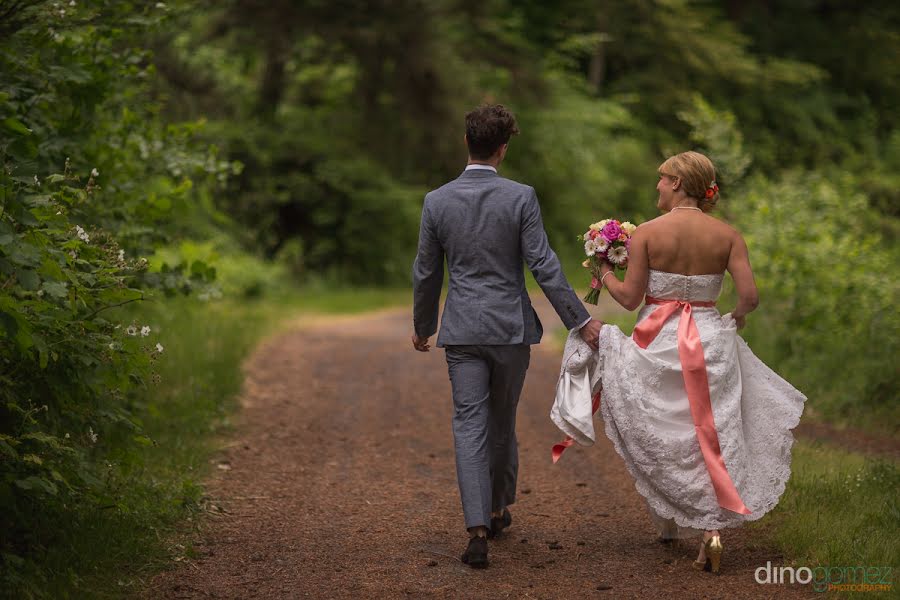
{"x": 590, "y": 333}
{"x": 420, "y": 343}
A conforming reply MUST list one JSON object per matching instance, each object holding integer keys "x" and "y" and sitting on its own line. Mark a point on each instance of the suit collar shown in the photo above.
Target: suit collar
{"x": 478, "y": 174}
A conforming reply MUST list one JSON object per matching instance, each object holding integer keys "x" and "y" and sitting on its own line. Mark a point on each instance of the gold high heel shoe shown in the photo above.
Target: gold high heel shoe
{"x": 713, "y": 556}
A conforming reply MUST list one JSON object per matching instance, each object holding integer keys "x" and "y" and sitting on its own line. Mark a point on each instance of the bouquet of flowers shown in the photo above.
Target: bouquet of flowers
{"x": 607, "y": 240}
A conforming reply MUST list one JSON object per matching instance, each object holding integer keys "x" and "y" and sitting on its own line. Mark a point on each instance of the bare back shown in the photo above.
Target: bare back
{"x": 689, "y": 242}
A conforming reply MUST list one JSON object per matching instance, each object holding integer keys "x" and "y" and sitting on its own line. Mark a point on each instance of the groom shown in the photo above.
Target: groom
{"x": 486, "y": 226}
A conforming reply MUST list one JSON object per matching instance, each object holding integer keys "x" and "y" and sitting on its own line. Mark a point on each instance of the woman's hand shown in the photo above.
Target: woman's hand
{"x": 740, "y": 321}
{"x": 605, "y": 267}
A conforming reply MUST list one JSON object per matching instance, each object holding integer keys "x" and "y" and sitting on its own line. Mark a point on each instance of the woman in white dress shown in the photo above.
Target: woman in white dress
{"x": 703, "y": 426}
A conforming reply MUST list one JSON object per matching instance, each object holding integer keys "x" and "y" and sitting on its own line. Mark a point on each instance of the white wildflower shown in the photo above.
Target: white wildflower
{"x": 160, "y": 5}
{"x": 131, "y": 330}
{"x": 72, "y": 3}
{"x": 121, "y": 255}
{"x": 145, "y": 331}
{"x": 95, "y": 172}
{"x": 62, "y": 12}
{"x": 92, "y": 435}
{"x": 590, "y": 248}
{"x": 37, "y": 181}
{"x": 618, "y": 255}
{"x": 159, "y": 347}
{"x": 67, "y": 436}
{"x": 112, "y": 345}
{"x": 82, "y": 234}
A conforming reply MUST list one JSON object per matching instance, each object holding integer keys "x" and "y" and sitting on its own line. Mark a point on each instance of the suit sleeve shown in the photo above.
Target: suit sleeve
{"x": 428, "y": 277}
{"x": 544, "y": 265}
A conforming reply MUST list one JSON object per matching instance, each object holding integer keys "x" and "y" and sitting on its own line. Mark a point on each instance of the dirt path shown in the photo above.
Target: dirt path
{"x": 341, "y": 484}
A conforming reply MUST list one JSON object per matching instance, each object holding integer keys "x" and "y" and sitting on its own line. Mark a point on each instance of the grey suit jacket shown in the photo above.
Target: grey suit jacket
{"x": 486, "y": 226}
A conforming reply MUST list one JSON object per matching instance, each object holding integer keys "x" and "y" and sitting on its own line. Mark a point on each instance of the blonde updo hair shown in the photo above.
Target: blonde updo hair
{"x": 697, "y": 175}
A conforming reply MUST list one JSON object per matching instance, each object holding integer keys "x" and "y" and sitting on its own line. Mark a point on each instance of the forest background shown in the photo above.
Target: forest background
{"x": 186, "y": 174}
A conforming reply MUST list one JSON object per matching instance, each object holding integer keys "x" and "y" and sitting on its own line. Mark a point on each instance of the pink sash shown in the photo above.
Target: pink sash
{"x": 696, "y": 383}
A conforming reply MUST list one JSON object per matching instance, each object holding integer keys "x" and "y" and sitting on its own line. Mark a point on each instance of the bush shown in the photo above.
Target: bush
{"x": 90, "y": 179}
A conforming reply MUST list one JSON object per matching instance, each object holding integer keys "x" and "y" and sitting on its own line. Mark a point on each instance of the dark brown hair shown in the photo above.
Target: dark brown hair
{"x": 487, "y": 128}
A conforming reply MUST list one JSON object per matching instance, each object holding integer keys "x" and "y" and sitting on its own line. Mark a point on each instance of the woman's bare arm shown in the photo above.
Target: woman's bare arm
{"x": 630, "y": 293}
{"x": 742, "y": 274}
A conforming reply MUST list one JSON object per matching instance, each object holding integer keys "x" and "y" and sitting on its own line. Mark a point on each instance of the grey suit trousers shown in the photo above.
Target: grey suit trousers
{"x": 486, "y": 383}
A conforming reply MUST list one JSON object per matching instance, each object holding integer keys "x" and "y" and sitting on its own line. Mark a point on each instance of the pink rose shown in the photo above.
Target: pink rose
{"x": 594, "y": 234}
{"x": 611, "y": 231}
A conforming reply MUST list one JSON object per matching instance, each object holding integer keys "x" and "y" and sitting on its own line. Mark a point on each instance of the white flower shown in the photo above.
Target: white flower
{"x": 618, "y": 255}
{"x": 67, "y": 436}
{"x": 586, "y": 237}
{"x": 599, "y": 225}
{"x": 95, "y": 172}
{"x": 92, "y": 435}
{"x": 145, "y": 331}
{"x": 590, "y": 248}
{"x": 601, "y": 244}
{"x": 159, "y": 347}
{"x": 121, "y": 255}
{"x": 82, "y": 234}
{"x": 112, "y": 345}
{"x": 629, "y": 227}
{"x": 72, "y": 3}
{"x": 37, "y": 181}
{"x": 160, "y": 5}
{"x": 131, "y": 330}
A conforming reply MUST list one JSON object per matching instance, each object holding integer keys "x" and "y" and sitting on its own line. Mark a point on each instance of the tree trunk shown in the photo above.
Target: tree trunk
{"x": 597, "y": 68}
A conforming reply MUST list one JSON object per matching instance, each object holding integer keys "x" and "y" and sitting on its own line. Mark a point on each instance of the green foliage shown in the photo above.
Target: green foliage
{"x": 828, "y": 293}
{"x": 70, "y": 373}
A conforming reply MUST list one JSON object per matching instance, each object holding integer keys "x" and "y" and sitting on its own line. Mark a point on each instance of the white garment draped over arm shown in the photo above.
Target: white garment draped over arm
{"x": 572, "y": 409}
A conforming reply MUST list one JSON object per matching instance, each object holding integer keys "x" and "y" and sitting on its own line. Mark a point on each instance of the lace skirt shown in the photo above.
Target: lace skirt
{"x": 648, "y": 419}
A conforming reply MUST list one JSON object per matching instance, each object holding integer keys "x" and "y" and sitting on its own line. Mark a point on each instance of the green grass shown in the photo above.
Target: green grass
{"x": 840, "y": 509}
{"x": 155, "y": 490}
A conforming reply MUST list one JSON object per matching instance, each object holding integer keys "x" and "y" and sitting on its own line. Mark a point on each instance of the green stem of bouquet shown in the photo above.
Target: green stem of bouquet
{"x": 593, "y": 296}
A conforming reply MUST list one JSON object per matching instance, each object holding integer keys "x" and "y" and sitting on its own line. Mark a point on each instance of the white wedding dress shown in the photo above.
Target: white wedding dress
{"x": 647, "y": 416}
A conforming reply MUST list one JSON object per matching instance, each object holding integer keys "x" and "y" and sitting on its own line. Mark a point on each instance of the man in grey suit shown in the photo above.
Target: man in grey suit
{"x": 486, "y": 226}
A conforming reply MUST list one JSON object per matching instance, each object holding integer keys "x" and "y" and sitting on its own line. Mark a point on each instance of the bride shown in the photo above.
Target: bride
{"x": 703, "y": 426}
